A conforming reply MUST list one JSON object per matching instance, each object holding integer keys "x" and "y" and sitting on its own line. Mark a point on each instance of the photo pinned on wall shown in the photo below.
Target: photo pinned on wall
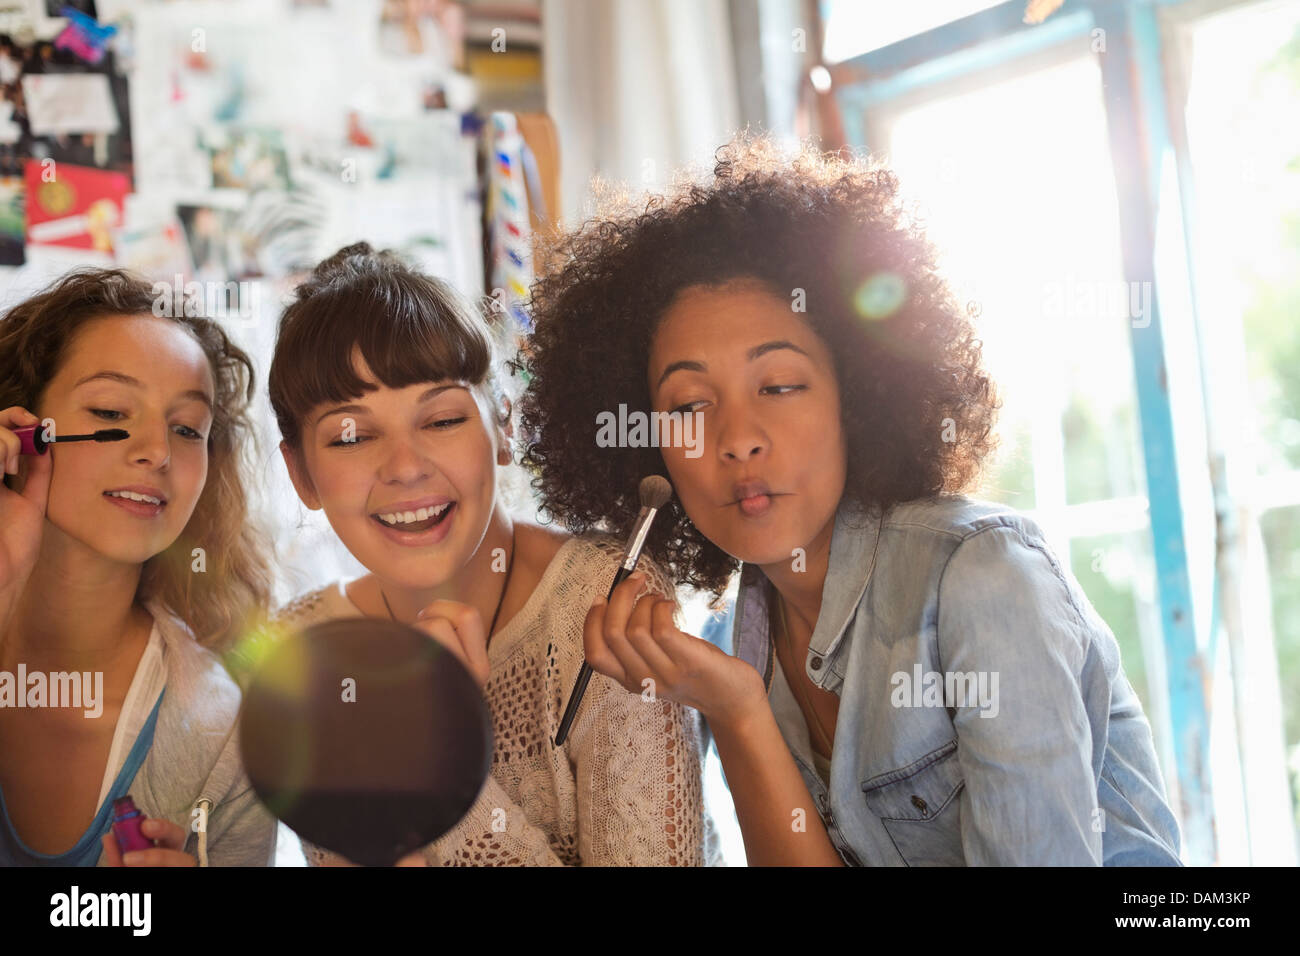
{"x": 73, "y": 206}
{"x": 218, "y": 246}
{"x": 247, "y": 158}
{"x": 427, "y": 39}
{"x": 62, "y": 99}
{"x": 155, "y": 249}
{"x": 83, "y": 35}
{"x": 64, "y": 108}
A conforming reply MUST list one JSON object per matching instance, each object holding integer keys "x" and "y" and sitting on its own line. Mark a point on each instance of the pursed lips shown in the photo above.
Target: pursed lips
{"x": 749, "y": 488}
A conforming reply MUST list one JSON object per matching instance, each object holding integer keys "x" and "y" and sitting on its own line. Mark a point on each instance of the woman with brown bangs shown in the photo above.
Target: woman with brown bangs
{"x": 127, "y": 564}
{"x": 917, "y": 678}
{"x": 396, "y": 424}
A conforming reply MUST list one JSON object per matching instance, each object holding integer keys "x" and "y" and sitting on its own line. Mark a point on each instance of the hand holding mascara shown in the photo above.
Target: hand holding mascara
{"x": 655, "y": 492}
{"x": 22, "y": 506}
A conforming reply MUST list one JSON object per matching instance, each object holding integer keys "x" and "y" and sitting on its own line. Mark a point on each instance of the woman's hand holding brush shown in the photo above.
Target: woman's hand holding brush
{"x": 633, "y": 640}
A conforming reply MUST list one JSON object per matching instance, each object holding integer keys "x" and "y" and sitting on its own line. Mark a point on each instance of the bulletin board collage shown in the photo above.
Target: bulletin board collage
{"x": 235, "y": 144}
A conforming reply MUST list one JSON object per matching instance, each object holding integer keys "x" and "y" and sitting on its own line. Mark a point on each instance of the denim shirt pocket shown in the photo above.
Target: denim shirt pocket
{"x": 919, "y": 807}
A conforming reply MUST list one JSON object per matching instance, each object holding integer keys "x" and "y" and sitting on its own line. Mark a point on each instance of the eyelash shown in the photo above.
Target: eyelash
{"x": 105, "y": 412}
{"x": 439, "y": 424}
{"x": 799, "y": 388}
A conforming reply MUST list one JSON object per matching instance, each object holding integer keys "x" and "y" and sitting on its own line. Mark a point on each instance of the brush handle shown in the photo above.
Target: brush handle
{"x": 584, "y": 675}
{"x": 575, "y": 698}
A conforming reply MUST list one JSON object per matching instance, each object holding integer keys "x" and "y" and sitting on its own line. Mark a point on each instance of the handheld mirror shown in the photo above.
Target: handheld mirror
{"x": 366, "y": 737}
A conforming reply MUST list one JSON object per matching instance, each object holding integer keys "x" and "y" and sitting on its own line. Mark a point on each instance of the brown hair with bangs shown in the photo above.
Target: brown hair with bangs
{"x": 408, "y": 327}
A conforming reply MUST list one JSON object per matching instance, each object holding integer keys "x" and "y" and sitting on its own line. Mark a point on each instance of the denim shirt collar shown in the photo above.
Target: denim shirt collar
{"x": 854, "y": 541}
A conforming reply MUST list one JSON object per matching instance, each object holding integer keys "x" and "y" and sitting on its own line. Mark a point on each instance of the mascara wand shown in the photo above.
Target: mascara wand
{"x": 35, "y": 444}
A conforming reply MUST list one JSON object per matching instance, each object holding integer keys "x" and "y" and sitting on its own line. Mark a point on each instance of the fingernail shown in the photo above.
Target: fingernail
{"x": 131, "y": 857}
{"x": 153, "y": 826}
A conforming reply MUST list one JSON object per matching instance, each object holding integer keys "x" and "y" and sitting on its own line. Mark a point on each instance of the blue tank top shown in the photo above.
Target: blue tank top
{"x": 13, "y": 852}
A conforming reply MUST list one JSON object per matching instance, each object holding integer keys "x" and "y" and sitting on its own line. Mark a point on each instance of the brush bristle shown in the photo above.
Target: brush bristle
{"x": 655, "y": 491}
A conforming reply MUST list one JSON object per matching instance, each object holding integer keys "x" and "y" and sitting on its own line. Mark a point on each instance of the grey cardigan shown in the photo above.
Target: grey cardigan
{"x": 195, "y": 757}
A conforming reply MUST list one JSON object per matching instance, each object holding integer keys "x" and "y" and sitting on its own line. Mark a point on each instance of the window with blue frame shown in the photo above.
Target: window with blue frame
{"x": 1116, "y": 192}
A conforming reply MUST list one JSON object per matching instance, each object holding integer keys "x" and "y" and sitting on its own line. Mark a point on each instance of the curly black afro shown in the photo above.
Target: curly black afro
{"x": 826, "y": 232}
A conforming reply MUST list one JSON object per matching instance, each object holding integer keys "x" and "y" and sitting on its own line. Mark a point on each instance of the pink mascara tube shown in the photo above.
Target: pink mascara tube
{"x": 126, "y": 826}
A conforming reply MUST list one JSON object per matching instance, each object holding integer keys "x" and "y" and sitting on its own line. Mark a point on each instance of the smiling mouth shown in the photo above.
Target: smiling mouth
{"x": 136, "y": 496}
{"x": 415, "y": 521}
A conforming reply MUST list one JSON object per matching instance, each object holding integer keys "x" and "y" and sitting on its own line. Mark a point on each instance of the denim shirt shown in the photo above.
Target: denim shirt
{"x": 984, "y": 717}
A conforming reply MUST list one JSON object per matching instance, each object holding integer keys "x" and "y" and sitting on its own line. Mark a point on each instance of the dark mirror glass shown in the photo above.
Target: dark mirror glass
{"x": 366, "y": 737}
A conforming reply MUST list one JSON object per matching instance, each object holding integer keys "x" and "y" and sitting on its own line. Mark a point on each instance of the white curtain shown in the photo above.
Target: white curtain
{"x": 636, "y": 89}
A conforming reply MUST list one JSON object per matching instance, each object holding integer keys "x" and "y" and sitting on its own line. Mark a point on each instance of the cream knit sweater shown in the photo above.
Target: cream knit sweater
{"x": 625, "y": 789}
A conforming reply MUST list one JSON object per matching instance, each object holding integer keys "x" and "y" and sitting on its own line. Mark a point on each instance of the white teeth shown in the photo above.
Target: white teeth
{"x": 136, "y": 497}
{"x": 408, "y": 517}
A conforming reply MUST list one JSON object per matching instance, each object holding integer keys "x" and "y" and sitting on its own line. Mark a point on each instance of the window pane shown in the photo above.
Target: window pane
{"x": 854, "y": 27}
{"x": 1117, "y": 573}
{"x": 1245, "y": 146}
{"x": 1281, "y": 530}
{"x": 1016, "y": 182}
{"x": 1243, "y": 93}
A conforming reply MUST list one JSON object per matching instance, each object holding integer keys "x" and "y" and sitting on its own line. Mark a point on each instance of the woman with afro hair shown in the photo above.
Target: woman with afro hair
{"x": 915, "y": 665}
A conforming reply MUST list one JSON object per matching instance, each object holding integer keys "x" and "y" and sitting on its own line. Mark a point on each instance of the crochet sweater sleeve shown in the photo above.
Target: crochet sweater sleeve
{"x": 625, "y": 789}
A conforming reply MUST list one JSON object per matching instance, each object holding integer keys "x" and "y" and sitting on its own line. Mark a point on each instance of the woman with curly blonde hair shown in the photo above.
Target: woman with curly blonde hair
{"x": 914, "y": 664}
{"x": 126, "y": 564}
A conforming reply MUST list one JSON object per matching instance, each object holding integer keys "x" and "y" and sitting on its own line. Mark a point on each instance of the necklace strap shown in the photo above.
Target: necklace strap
{"x": 505, "y": 588}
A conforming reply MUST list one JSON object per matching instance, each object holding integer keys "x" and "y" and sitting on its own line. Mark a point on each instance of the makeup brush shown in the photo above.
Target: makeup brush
{"x": 655, "y": 492}
{"x": 34, "y": 444}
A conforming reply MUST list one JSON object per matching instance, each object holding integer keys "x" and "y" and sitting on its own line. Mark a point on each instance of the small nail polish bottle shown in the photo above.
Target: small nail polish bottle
{"x": 126, "y": 826}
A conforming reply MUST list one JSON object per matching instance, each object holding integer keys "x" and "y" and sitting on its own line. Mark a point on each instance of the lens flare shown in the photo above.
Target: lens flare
{"x": 880, "y": 296}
